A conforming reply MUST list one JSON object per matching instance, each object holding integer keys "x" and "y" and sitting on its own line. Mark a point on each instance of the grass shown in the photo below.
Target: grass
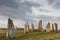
{"x": 19, "y": 35}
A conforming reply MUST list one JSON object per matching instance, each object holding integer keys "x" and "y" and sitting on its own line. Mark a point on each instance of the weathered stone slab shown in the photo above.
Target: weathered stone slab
{"x": 10, "y": 28}
{"x": 32, "y": 27}
{"x": 40, "y": 26}
{"x": 26, "y": 28}
{"x": 15, "y": 27}
{"x": 48, "y": 27}
{"x": 55, "y": 27}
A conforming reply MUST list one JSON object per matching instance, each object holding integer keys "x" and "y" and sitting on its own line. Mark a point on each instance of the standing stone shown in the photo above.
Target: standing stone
{"x": 10, "y": 28}
{"x": 48, "y": 27}
{"x": 27, "y": 26}
{"x": 26, "y": 29}
{"x": 15, "y": 27}
{"x": 7, "y": 35}
{"x": 32, "y": 27}
{"x": 40, "y": 26}
{"x": 55, "y": 27}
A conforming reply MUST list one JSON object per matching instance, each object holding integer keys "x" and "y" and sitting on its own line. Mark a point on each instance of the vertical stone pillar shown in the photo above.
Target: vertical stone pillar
{"x": 32, "y": 27}
{"x": 48, "y": 27}
{"x": 26, "y": 28}
{"x": 55, "y": 27}
{"x": 15, "y": 27}
{"x": 10, "y": 28}
{"x": 40, "y": 26}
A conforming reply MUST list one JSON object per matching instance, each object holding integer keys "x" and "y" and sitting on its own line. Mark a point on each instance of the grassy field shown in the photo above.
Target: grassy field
{"x": 19, "y": 35}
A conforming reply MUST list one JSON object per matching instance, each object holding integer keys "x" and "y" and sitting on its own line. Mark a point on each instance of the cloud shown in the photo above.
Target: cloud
{"x": 56, "y": 4}
{"x": 28, "y": 10}
{"x": 9, "y": 3}
{"x": 50, "y": 1}
{"x": 24, "y": 6}
{"x": 15, "y": 10}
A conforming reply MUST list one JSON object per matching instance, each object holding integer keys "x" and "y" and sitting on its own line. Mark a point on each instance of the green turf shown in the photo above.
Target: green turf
{"x": 19, "y": 35}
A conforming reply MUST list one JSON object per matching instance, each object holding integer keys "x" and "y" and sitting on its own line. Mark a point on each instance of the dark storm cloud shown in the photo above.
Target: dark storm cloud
{"x": 9, "y": 3}
{"x": 31, "y": 4}
{"x": 50, "y": 1}
{"x": 56, "y": 4}
{"x": 13, "y": 9}
{"x": 17, "y": 10}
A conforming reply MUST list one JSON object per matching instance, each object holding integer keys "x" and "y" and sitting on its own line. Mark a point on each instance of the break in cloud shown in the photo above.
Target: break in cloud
{"x": 21, "y": 11}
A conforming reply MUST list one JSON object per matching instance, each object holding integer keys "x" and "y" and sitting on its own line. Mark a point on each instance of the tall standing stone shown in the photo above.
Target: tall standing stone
{"x": 10, "y": 28}
{"x": 15, "y": 27}
{"x": 48, "y": 27}
{"x": 26, "y": 28}
{"x": 32, "y": 27}
{"x": 40, "y": 26}
{"x": 55, "y": 27}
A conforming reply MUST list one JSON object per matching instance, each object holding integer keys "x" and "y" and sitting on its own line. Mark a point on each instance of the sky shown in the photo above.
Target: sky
{"x": 21, "y": 11}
